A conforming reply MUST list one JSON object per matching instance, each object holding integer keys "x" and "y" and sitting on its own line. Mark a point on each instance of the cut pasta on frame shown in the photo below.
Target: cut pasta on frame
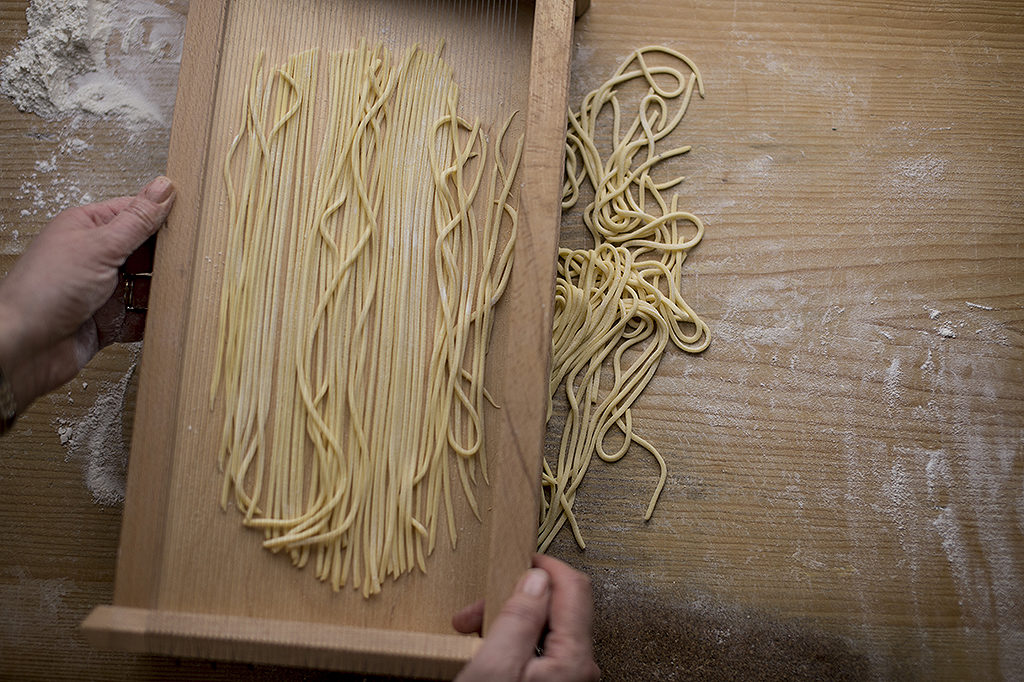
{"x": 618, "y": 304}
{"x": 367, "y": 248}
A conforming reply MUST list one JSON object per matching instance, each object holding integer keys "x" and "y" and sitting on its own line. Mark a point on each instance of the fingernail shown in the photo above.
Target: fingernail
{"x": 158, "y": 190}
{"x": 535, "y": 582}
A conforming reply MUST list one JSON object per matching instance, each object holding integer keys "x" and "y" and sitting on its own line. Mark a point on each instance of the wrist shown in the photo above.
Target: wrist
{"x": 16, "y": 363}
{"x": 11, "y": 336}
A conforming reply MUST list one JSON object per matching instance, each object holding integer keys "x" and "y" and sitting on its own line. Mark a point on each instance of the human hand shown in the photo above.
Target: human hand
{"x": 551, "y": 594}
{"x": 61, "y": 302}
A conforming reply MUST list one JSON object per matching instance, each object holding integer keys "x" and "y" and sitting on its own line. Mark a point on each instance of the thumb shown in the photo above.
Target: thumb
{"x": 511, "y": 641}
{"x": 142, "y": 217}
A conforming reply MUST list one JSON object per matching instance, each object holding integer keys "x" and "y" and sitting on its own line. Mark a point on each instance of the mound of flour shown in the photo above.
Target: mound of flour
{"x": 98, "y": 441}
{"x": 99, "y": 58}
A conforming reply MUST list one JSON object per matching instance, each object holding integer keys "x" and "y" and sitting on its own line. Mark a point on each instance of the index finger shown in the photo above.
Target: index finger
{"x": 572, "y": 606}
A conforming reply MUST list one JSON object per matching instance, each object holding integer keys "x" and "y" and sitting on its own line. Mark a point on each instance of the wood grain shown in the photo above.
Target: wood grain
{"x": 179, "y": 554}
{"x": 258, "y": 640}
{"x": 531, "y": 298}
{"x": 846, "y": 456}
{"x": 844, "y": 481}
{"x": 147, "y": 498}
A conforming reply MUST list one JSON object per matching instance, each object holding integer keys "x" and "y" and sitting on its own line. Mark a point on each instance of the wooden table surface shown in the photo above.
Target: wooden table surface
{"x": 846, "y": 472}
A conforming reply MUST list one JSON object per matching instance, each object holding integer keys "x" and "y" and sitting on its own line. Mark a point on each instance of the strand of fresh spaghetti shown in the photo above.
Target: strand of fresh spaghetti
{"x": 363, "y": 266}
{"x": 618, "y": 304}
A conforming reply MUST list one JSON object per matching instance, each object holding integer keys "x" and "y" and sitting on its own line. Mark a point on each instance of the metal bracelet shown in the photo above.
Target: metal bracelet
{"x": 130, "y": 294}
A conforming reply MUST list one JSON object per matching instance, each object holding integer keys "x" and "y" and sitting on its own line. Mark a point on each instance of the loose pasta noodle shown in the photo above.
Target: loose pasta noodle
{"x": 618, "y": 304}
{"x": 362, "y": 269}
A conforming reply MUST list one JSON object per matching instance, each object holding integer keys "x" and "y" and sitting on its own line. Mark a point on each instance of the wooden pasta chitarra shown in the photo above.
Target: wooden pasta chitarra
{"x": 191, "y": 580}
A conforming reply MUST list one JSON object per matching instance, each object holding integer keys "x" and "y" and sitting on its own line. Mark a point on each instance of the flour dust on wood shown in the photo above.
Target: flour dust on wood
{"x": 96, "y": 58}
{"x": 98, "y": 440}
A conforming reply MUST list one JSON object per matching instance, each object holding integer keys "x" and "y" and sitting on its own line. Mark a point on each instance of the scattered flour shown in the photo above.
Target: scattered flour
{"x": 974, "y": 494}
{"x": 918, "y": 181}
{"x": 48, "y": 596}
{"x": 96, "y": 58}
{"x": 892, "y": 383}
{"x": 48, "y": 192}
{"x": 98, "y": 441}
{"x": 946, "y": 330}
{"x": 47, "y": 165}
{"x": 83, "y": 62}
{"x": 920, "y": 169}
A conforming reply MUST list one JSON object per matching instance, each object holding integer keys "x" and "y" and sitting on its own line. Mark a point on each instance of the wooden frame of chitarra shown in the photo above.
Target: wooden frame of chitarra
{"x": 191, "y": 581}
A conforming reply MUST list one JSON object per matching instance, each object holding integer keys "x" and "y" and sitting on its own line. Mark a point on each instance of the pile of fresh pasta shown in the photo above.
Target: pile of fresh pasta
{"x": 619, "y": 304}
{"x": 363, "y": 264}
{"x": 366, "y": 250}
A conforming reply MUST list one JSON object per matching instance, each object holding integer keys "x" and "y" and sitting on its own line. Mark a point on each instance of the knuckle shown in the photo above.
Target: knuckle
{"x": 73, "y": 215}
{"x": 522, "y": 610}
{"x": 141, "y": 210}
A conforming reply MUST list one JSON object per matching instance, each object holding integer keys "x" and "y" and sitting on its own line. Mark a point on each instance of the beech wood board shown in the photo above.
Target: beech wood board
{"x": 182, "y": 558}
